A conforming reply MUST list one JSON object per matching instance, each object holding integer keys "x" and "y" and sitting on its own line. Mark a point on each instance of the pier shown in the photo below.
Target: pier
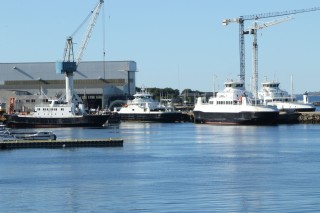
{"x": 105, "y": 142}
{"x": 309, "y": 117}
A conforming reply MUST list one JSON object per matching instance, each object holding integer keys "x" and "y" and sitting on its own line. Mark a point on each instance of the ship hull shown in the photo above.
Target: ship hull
{"x": 293, "y": 106}
{"x": 247, "y": 118}
{"x": 16, "y": 121}
{"x": 168, "y": 117}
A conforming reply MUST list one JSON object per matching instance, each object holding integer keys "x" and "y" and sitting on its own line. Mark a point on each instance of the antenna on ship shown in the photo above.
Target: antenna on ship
{"x": 292, "y": 87}
{"x": 214, "y": 85}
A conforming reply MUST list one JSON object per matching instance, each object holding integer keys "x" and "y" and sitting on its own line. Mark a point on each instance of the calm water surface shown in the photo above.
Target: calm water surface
{"x": 179, "y": 167}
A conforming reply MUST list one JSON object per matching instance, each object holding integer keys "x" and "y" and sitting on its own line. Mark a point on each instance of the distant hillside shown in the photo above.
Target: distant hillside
{"x": 313, "y": 93}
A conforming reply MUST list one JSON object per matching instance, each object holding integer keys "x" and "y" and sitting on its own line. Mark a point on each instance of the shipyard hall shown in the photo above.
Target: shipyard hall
{"x": 100, "y": 84}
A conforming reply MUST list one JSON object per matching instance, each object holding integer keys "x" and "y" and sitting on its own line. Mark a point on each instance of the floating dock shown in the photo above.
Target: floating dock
{"x": 105, "y": 142}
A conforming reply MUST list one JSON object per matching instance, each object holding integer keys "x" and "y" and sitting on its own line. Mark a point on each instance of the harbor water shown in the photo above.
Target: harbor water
{"x": 169, "y": 167}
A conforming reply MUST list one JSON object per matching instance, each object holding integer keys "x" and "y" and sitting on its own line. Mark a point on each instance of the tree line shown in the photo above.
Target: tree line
{"x": 186, "y": 96}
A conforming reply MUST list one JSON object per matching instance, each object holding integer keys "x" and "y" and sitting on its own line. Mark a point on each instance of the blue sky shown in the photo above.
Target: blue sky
{"x": 176, "y": 43}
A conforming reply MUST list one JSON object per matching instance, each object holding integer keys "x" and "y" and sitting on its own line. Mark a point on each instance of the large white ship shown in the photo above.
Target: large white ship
{"x": 271, "y": 94}
{"x": 144, "y": 108}
{"x": 234, "y": 105}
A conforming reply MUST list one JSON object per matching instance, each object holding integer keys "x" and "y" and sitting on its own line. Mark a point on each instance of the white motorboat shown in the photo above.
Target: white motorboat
{"x": 4, "y": 130}
{"x": 144, "y": 108}
{"x": 234, "y": 105}
{"x": 40, "y": 135}
{"x": 271, "y": 94}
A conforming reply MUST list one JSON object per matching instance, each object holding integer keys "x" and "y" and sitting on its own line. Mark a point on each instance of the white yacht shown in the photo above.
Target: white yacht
{"x": 3, "y": 130}
{"x": 144, "y": 108}
{"x": 234, "y": 105}
{"x": 271, "y": 94}
{"x": 40, "y": 135}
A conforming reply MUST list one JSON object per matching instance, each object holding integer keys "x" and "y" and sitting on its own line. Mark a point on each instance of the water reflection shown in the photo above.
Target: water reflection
{"x": 180, "y": 167}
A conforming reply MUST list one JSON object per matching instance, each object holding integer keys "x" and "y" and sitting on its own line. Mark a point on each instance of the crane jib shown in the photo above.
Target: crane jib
{"x": 240, "y": 20}
{"x": 275, "y": 14}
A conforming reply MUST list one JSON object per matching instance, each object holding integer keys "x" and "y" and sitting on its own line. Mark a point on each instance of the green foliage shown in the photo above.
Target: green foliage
{"x": 162, "y": 93}
{"x": 173, "y": 94}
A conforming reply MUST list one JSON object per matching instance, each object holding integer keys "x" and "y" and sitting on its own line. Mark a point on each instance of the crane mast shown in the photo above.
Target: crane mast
{"x": 240, "y": 20}
{"x": 69, "y": 65}
{"x": 254, "y": 30}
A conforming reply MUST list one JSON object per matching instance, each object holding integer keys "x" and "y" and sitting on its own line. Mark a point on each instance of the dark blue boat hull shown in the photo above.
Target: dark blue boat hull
{"x": 236, "y": 118}
{"x": 15, "y": 121}
{"x": 152, "y": 117}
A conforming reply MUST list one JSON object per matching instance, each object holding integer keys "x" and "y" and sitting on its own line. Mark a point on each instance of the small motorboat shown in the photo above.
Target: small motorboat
{"x": 40, "y": 135}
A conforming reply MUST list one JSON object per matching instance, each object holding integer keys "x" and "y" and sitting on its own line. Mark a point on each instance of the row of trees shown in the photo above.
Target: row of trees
{"x": 186, "y": 96}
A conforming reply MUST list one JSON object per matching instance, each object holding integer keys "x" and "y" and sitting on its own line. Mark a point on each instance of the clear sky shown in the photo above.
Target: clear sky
{"x": 176, "y": 43}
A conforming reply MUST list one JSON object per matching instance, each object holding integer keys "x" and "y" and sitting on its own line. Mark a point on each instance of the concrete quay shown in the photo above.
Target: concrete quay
{"x": 309, "y": 117}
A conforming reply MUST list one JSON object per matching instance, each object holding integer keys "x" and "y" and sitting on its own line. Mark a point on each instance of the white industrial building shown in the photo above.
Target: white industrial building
{"x": 97, "y": 82}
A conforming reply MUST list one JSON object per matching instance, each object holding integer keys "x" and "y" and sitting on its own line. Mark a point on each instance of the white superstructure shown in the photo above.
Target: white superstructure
{"x": 271, "y": 94}
{"x": 144, "y": 108}
{"x": 233, "y": 105}
{"x": 143, "y": 102}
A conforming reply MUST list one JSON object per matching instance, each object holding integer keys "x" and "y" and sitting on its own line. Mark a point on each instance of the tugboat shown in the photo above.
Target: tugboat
{"x": 271, "y": 94}
{"x": 144, "y": 108}
{"x": 234, "y": 105}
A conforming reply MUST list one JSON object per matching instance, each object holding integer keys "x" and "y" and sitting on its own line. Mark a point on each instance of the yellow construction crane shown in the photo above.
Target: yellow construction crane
{"x": 254, "y": 30}
{"x": 240, "y": 20}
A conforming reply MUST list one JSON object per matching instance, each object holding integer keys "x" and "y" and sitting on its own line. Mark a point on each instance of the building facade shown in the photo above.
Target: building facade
{"x": 98, "y": 83}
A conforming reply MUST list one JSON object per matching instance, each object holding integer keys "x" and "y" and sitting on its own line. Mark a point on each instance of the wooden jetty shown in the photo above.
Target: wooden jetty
{"x": 105, "y": 142}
